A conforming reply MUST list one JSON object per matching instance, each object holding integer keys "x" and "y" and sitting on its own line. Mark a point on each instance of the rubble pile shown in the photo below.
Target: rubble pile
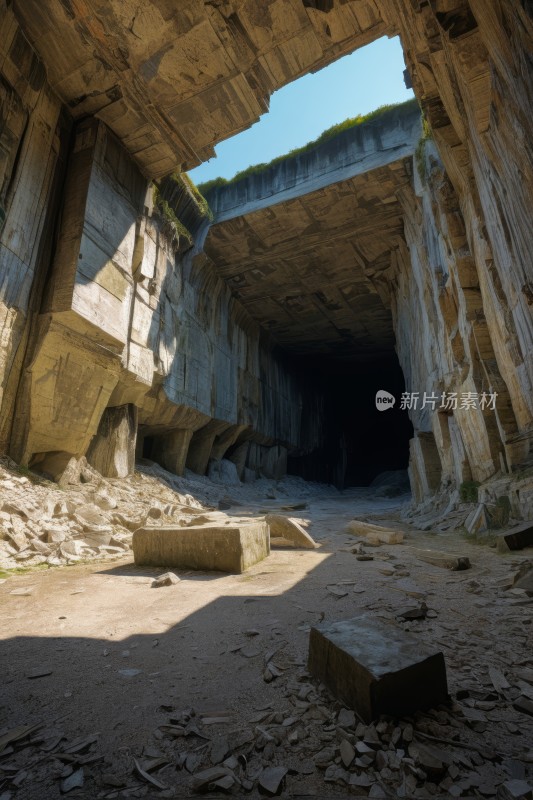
{"x": 301, "y": 735}
{"x": 86, "y": 516}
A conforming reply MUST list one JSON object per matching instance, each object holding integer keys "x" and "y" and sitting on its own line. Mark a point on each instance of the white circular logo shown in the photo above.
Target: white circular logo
{"x": 384, "y": 400}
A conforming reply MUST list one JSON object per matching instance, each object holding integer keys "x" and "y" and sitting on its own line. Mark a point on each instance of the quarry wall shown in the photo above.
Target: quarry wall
{"x": 106, "y": 306}
{"x": 113, "y": 319}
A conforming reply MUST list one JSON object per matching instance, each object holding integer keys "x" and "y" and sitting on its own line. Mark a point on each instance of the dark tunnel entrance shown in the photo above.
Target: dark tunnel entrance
{"x": 359, "y": 441}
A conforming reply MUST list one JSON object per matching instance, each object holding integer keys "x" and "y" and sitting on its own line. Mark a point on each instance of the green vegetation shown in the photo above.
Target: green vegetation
{"x": 31, "y": 476}
{"x": 8, "y": 573}
{"x": 175, "y": 230}
{"x": 421, "y": 148}
{"x": 201, "y": 202}
{"x": 172, "y": 197}
{"x": 328, "y": 134}
{"x": 468, "y": 491}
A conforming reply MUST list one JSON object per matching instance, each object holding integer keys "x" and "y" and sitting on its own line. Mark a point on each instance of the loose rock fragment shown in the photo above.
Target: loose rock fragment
{"x": 524, "y": 705}
{"x": 414, "y": 613}
{"x": 375, "y": 533}
{"x": 516, "y": 538}
{"x": 337, "y": 591}
{"x": 147, "y": 777}
{"x": 167, "y": 579}
{"x": 73, "y": 781}
{"x": 347, "y": 753}
{"x": 324, "y": 757}
{"x": 271, "y": 780}
{"x": 203, "y": 781}
{"x": 499, "y": 681}
{"x": 515, "y": 790}
{"x": 219, "y": 750}
{"x": 346, "y": 718}
{"x": 437, "y": 558}
{"x": 39, "y": 672}
{"x": 287, "y": 532}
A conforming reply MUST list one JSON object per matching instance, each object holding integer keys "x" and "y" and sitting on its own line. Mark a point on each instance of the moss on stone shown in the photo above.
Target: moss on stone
{"x": 421, "y": 149}
{"x": 201, "y": 202}
{"x": 172, "y": 226}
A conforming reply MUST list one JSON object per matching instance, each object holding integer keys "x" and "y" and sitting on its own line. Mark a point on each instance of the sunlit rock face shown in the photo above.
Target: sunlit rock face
{"x": 387, "y": 239}
{"x": 172, "y": 79}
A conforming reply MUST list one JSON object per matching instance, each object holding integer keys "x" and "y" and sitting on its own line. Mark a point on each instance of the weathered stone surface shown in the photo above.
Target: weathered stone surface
{"x": 376, "y": 668}
{"x": 112, "y": 451}
{"x": 288, "y": 532}
{"x": 515, "y": 790}
{"x": 117, "y": 332}
{"x": 226, "y": 548}
{"x": 478, "y": 521}
{"x": 233, "y": 59}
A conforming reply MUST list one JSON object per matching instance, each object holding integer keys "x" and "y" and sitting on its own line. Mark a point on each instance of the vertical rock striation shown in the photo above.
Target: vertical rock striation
{"x": 116, "y": 322}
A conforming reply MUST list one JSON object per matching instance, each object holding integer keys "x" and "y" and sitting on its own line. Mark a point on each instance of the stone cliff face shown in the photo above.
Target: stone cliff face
{"x": 471, "y": 68}
{"x": 129, "y": 331}
{"x": 125, "y": 314}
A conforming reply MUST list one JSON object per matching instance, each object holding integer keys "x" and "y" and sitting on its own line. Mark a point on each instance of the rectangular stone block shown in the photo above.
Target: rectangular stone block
{"x": 225, "y": 548}
{"x": 516, "y": 538}
{"x": 376, "y": 668}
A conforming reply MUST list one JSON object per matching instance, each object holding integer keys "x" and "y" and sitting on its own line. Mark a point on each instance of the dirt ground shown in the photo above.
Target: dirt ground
{"x": 126, "y": 679}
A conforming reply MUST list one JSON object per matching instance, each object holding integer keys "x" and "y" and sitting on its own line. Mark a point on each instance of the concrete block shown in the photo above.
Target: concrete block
{"x": 233, "y": 547}
{"x": 376, "y": 668}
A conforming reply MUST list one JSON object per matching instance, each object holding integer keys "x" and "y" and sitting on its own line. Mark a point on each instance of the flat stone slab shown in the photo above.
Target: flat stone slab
{"x": 376, "y": 534}
{"x": 287, "y": 532}
{"x": 437, "y": 558}
{"x": 233, "y": 547}
{"x": 516, "y": 538}
{"x": 376, "y": 668}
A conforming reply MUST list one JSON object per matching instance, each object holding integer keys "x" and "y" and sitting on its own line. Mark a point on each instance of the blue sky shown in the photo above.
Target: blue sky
{"x": 356, "y": 84}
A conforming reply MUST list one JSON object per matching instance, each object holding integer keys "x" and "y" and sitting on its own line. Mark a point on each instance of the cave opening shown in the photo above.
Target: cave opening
{"x": 360, "y": 440}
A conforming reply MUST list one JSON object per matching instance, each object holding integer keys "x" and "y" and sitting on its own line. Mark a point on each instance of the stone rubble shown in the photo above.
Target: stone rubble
{"x": 303, "y": 732}
{"x": 432, "y": 754}
{"x": 87, "y": 516}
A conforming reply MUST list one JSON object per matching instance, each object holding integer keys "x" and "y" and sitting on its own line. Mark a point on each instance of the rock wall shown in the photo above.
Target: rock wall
{"x": 111, "y": 316}
{"x": 467, "y": 276}
{"x": 33, "y": 146}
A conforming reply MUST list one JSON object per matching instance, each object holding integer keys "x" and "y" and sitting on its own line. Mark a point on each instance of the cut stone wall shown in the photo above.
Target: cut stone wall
{"x": 109, "y": 319}
{"x": 33, "y": 143}
{"x": 104, "y": 305}
{"x": 471, "y": 68}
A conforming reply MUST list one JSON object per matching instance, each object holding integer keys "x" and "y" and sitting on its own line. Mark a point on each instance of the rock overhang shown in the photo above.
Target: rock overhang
{"x": 172, "y": 79}
{"x": 306, "y": 244}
